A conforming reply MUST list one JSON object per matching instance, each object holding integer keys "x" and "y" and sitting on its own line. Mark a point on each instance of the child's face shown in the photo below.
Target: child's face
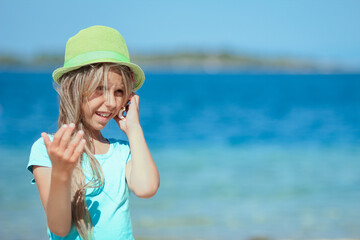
{"x": 104, "y": 104}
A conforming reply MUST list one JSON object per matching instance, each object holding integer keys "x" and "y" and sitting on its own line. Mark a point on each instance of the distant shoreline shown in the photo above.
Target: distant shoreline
{"x": 192, "y": 62}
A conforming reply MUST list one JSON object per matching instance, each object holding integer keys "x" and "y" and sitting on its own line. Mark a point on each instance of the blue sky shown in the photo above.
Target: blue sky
{"x": 320, "y": 30}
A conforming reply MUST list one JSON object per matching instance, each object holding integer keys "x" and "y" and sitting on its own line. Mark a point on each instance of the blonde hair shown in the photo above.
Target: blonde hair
{"x": 74, "y": 88}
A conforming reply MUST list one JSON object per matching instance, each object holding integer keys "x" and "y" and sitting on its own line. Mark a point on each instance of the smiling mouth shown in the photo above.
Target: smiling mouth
{"x": 104, "y": 115}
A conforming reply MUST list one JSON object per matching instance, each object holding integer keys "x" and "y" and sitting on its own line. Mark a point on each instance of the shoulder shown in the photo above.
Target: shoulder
{"x": 119, "y": 143}
{"x": 38, "y": 154}
{"x": 39, "y": 143}
{"x": 121, "y": 147}
{"x": 39, "y": 146}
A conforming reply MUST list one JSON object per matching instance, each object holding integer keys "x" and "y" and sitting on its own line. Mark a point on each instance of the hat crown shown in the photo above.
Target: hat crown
{"x": 98, "y": 44}
{"x": 93, "y": 39}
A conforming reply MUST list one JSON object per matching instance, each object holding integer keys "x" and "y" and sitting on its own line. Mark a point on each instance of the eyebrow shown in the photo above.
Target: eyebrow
{"x": 122, "y": 85}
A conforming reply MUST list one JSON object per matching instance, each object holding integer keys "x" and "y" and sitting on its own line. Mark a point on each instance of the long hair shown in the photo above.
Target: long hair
{"x": 74, "y": 88}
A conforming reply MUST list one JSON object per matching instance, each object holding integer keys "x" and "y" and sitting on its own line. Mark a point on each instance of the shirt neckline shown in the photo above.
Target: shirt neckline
{"x": 108, "y": 153}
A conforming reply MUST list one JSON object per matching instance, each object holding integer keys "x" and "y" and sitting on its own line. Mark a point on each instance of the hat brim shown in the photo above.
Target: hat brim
{"x": 138, "y": 72}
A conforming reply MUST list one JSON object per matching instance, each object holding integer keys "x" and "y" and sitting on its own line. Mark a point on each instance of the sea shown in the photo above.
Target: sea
{"x": 241, "y": 155}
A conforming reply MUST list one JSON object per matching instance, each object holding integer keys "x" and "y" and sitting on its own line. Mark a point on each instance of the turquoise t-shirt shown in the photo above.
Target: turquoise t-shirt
{"x": 108, "y": 206}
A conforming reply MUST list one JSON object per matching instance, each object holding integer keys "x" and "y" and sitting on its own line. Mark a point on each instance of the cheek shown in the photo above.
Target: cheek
{"x": 126, "y": 99}
{"x": 85, "y": 111}
{"x": 88, "y": 107}
{"x": 120, "y": 102}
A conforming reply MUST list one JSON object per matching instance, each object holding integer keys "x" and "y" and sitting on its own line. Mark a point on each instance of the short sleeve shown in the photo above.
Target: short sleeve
{"x": 123, "y": 147}
{"x": 38, "y": 156}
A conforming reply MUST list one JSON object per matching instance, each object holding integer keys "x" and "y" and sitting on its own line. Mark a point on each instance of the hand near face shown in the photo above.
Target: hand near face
{"x": 63, "y": 151}
{"x": 131, "y": 121}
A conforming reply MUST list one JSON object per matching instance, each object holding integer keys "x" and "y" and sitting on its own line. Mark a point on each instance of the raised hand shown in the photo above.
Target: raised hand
{"x": 131, "y": 121}
{"x": 63, "y": 151}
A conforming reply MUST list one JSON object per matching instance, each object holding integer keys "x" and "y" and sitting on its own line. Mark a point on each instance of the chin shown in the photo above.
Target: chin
{"x": 97, "y": 126}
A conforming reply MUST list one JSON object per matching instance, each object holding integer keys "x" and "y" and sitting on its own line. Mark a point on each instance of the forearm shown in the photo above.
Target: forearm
{"x": 58, "y": 208}
{"x": 144, "y": 176}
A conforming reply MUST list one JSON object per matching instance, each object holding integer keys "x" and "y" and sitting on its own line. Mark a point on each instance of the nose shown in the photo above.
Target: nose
{"x": 109, "y": 99}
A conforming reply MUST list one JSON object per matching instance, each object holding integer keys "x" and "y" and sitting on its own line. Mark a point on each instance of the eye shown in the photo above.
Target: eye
{"x": 120, "y": 92}
{"x": 100, "y": 88}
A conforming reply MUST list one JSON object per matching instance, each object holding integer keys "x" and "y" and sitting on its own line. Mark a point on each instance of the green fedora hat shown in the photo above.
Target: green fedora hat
{"x": 94, "y": 45}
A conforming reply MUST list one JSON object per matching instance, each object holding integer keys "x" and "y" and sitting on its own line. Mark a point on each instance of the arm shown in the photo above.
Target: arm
{"x": 55, "y": 198}
{"x": 141, "y": 172}
{"x": 54, "y": 183}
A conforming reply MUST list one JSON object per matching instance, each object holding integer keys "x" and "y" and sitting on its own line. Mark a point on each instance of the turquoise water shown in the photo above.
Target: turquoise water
{"x": 271, "y": 191}
{"x": 240, "y": 156}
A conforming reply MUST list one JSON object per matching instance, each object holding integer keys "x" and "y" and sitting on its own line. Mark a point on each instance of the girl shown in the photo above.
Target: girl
{"x": 83, "y": 178}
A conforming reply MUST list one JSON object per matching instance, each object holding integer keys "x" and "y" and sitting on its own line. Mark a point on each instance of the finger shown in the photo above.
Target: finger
{"x": 137, "y": 100}
{"x": 58, "y": 135}
{"x": 131, "y": 95}
{"x": 134, "y": 97}
{"x": 73, "y": 144}
{"x": 46, "y": 140}
{"x": 134, "y": 101}
{"x": 66, "y": 137}
{"x": 78, "y": 151}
